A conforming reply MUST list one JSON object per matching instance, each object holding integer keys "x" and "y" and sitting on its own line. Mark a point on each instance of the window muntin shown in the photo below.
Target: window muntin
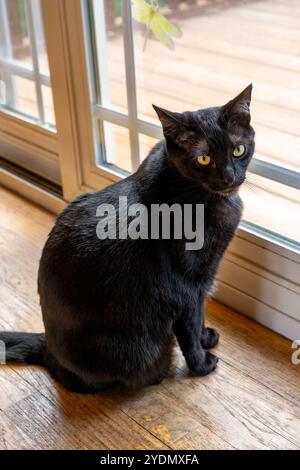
{"x": 25, "y": 88}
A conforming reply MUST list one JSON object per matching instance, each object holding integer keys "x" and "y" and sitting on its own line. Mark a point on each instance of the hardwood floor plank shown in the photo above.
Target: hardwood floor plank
{"x": 84, "y": 422}
{"x": 11, "y": 389}
{"x": 237, "y": 409}
{"x": 264, "y": 357}
{"x": 167, "y": 418}
{"x": 201, "y": 439}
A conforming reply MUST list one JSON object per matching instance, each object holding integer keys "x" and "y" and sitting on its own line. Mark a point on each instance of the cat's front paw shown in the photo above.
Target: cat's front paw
{"x": 210, "y": 338}
{"x": 205, "y": 365}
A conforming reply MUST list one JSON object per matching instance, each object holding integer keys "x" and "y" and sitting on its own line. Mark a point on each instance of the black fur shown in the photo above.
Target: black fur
{"x": 111, "y": 307}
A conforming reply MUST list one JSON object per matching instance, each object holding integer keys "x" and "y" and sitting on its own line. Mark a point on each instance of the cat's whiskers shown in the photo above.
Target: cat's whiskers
{"x": 254, "y": 188}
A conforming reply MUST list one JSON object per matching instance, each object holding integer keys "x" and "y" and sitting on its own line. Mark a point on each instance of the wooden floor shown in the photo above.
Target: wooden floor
{"x": 252, "y": 401}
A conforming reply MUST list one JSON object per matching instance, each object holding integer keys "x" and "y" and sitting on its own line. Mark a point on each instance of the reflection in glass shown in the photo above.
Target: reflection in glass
{"x": 109, "y": 57}
{"x": 24, "y": 70}
{"x": 115, "y": 140}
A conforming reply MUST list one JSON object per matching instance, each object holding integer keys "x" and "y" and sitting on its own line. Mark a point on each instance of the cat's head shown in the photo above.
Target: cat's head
{"x": 211, "y": 146}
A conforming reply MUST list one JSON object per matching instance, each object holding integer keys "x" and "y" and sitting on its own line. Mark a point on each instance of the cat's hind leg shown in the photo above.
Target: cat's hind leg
{"x": 71, "y": 381}
{"x": 155, "y": 374}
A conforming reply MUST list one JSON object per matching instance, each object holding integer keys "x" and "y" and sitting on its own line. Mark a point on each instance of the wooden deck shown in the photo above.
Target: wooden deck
{"x": 250, "y": 402}
{"x": 225, "y": 46}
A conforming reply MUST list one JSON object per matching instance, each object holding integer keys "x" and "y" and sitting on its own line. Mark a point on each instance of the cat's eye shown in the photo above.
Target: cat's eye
{"x": 239, "y": 151}
{"x": 203, "y": 160}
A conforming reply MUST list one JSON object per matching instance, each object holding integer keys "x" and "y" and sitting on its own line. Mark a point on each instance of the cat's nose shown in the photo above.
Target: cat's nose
{"x": 228, "y": 175}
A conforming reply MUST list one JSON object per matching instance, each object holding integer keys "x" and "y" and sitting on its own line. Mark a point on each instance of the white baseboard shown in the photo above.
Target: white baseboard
{"x": 258, "y": 311}
{"x": 262, "y": 284}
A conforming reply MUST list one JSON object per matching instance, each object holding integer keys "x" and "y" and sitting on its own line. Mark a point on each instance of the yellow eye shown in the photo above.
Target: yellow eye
{"x": 239, "y": 151}
{"x": 203, "y": 160}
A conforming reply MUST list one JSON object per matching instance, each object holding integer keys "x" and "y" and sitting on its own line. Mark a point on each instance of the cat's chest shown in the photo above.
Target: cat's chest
{"x": 219, "y": 225}
{"x": 221, "y": 219}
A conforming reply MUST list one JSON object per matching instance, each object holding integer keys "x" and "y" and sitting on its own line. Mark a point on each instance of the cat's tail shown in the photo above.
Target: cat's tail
{"x": 26, "y": 348}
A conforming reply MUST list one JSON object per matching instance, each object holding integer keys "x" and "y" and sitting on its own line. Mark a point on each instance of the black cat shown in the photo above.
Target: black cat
{"x": 111, "y": 307}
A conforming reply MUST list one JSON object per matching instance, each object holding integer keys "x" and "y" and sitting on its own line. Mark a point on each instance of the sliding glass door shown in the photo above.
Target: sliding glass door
{"x": 186, "y": 55}
{"x": 110, "y": 60}
{"x": 27, "y": 115}
{"x": 25, "y": 78}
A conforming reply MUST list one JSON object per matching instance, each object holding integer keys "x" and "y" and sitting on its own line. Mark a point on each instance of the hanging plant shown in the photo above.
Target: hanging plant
{"x": 148, "y": 14}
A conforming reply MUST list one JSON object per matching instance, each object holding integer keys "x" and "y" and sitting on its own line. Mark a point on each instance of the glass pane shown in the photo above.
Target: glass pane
{"x": 117, "y": 145}
{"x": 24, "y": 69}
{"x": 272, "y": 205}
{"x": 224, "y": 46}
{"x": 18, "y": 43}
{"x": 48, "y": 105}
{"x": 25, "y": 96}
{"x": 146, "y": 144}
{"x": 40, "y": 40}
{"x": 109, "y": 52}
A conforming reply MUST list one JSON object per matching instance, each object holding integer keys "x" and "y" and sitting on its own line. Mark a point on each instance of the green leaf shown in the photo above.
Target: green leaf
{"x": 162, "y": 28}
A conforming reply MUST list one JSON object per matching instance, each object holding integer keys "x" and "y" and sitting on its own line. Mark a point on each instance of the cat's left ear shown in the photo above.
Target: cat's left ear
{"x": 237, "y": 111}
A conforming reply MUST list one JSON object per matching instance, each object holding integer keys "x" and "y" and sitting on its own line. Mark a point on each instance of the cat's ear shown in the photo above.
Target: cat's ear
{"x": 173, "y": 127}
{"x": 237, "y": 111}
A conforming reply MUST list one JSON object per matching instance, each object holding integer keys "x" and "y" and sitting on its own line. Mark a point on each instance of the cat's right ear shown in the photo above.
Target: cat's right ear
{"x": 170, "y": 122}
{"x": 173, "y": 127}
